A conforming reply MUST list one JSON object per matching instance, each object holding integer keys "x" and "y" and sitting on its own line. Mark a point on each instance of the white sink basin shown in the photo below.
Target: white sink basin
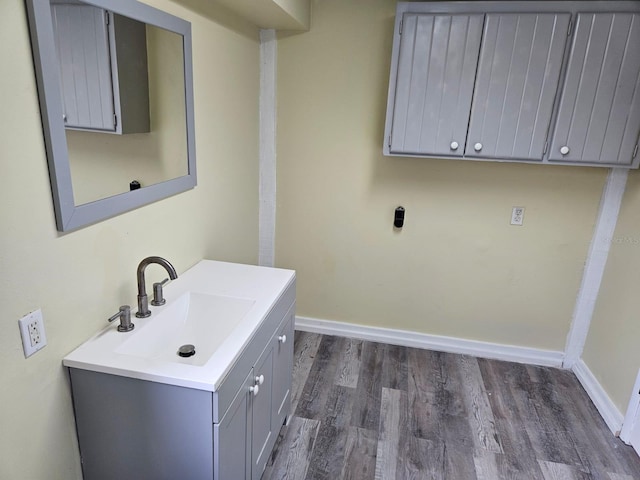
{"x": 215, "y": 306}
{"x": 198, "y": 319}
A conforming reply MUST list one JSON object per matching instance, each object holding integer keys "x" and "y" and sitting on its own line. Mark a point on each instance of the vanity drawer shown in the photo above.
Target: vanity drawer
{"x": 223, "y": 397}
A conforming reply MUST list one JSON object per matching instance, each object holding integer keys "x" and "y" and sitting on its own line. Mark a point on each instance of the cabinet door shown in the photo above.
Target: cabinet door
{"x": 262, "y": 405}
{"x": 599, "y": 114}
{"x": 517, "y": 80}
{"x": 232, "y": 438}
{"x": 282, "y": 371}
{"x": 434, "y": 86}
{"x": 82, "y": 44}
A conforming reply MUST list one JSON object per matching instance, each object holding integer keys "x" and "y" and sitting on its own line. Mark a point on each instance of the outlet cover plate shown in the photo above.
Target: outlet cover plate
{"x": 517, "y": 216}
{"x": 32, "y": 332}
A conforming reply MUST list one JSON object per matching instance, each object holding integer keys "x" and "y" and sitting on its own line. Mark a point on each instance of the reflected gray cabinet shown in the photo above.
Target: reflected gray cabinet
{"x": 599, "y": 114}
{"x": 102, "y": 59}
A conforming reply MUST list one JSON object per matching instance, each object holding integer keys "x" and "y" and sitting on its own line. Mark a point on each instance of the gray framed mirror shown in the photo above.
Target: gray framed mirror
{"x": 113, "y": 148}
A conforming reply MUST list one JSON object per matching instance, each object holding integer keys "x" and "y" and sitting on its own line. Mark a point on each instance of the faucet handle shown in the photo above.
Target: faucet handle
{"x": 158, "y": 295}
{"x": 124, "y": 314}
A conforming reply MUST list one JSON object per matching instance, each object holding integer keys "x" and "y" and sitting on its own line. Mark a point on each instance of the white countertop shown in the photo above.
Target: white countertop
{"x": 263, "y": 285}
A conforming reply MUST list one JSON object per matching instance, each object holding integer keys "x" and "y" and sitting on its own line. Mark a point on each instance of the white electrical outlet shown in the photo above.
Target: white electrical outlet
{"x": 32, "y": 332}
{"x": 517, "y": 215}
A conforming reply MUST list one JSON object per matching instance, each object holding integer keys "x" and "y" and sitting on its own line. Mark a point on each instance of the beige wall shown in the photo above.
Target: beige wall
{"x": 80, "y": 278}
{"x": 457, "y": 268}
{"x": 611, "y": 351}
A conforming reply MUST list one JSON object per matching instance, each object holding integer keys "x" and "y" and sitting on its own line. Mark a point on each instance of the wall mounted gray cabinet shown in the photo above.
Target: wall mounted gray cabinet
{"x": 102, "y": 60}
{"x": 436, "y": 69}
{"x": 599, "y": 113}
{"x": 516, "y": 82}
{"x": 540, "y": 82}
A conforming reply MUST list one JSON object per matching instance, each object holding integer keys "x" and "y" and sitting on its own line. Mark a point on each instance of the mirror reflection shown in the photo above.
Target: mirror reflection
{"x": 122, "y": 87}
{"x": 115, "y": 84}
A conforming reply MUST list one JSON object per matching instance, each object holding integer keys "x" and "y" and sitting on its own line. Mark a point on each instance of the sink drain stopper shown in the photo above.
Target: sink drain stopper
{"x": 187, "y": 350}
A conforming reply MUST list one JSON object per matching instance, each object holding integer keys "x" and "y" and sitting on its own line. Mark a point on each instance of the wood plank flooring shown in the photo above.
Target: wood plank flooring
{"x": 365, "y": 410}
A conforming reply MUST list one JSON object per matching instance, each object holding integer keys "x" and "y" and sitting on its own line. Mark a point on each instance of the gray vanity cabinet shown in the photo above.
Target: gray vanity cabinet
{"x": 516, "y": 83}
{"x": 135, "y": 429}
{"x": 435, "y": 75}
{"x": 102, "y": 60}
{"x": 599, "y": 113}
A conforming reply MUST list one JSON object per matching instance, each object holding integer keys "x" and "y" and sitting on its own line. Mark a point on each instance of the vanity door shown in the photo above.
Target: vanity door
{"x": 232, "y": 437}
{"x": 262, "y": 404}
{"x": 282, "y": 370}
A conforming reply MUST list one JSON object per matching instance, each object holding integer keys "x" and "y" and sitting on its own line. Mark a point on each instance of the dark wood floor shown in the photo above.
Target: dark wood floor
{"x": 365, "y": 410}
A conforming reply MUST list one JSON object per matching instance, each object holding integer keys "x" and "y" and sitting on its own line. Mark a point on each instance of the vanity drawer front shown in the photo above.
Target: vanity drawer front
{"x": 225, "y": 394}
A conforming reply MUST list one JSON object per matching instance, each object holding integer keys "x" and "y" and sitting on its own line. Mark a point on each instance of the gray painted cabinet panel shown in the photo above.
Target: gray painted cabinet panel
{"x": 283, "y": 366}
{"x": 262, "y": 405}
{"x": 103, "y": 68}
{"x": 144, "y": 430}
{"x": 517, "y": 79}
{"x": 271, "y": 406}
{"x": 85, "y": 73}
{"x": 599, "y": 114}
{"x": 232, "y": 437}
{"x": 555, "y": 82}
{"x": 436, "y": 69}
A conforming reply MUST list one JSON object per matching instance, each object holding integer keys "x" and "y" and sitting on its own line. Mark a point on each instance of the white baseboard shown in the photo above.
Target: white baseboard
{"x": 607, "y": 409}
{"x": 405, "y": 338}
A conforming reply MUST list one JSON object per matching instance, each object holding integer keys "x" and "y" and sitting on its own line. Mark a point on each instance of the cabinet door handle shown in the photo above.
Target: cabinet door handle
{"x": 260, "y": 380}
{"x": 254, "y": 389}
{"x": 477, "y": 147}
{"x": 282, "y": 339}
{"x": 454, "y": 145}
{"x": 564, "y": 150}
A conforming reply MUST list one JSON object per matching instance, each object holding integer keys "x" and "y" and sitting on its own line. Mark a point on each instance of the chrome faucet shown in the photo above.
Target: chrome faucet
{"x": 143, "y": 303}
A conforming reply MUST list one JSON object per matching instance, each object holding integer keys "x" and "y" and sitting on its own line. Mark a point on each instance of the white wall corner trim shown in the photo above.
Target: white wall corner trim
{"x": 631, "y": 417}
{"x": 595, "y": 264}
{"x": 267, "y": 188}
{"x": 607, "y": 409}
{"x": 405, "y": 338}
